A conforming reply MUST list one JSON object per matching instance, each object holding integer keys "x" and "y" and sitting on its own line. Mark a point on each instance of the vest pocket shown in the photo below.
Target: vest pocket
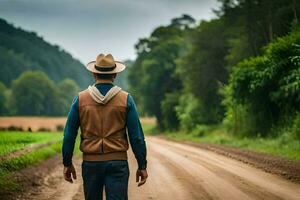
{"x": 91, "y": 145}
{"x": 114, "y": 144}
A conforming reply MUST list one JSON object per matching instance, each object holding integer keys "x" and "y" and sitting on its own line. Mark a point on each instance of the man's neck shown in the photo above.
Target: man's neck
{"x": 104, "y": 81}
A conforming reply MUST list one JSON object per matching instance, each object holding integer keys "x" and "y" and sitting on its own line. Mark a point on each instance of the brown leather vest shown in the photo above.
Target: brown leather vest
{"x": 103, "y": 127}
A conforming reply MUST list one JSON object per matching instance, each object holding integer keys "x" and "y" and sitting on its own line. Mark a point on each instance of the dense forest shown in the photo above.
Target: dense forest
{"x": 21, "y": 51}
{"x": 240, "y": 69}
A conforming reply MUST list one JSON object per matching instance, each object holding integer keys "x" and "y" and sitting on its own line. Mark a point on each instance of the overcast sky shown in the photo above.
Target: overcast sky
{"x": 87, "y": 27}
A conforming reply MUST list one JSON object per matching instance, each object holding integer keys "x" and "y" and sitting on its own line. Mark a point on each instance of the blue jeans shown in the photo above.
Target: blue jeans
{"x": 112, "y": 175}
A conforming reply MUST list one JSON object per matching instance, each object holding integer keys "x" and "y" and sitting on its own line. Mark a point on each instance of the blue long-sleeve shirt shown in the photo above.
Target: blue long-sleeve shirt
{"x": 134, "y": 128}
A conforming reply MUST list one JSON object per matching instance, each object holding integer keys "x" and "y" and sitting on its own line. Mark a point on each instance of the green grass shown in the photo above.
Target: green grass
{"x": 149, "y": 129}
{"x": 282, "y": 146}
{"x": 12, "y": 141}
{"x": 8, "y": 167}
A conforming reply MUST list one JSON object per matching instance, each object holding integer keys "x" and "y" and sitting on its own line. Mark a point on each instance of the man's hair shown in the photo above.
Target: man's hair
{"x": 105, "y": 76}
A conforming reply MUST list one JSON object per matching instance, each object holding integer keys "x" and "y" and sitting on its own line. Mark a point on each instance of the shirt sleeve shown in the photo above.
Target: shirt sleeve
{"x": 70, "y": 133}
{"x": 135, "y": 133}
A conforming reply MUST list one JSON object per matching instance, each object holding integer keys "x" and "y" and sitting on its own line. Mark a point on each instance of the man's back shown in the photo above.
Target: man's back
{"x": 104, "y": 112}
{"x": 103, "y": 126}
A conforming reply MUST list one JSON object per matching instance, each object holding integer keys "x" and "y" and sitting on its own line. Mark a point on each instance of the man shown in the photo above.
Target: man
{"x": 104, "y": 112}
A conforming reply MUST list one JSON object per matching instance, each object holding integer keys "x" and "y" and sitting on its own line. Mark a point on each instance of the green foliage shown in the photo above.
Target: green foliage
{"x": 21, "y": 51}
{"x": 152, "y": 74}
{"x": 266, "y": 88}
{"x": 67, "y": 89}
{"x": 170, "y": 120}
{"x": 188, "y": 111}
{"x": 258, "y": 23}
{"x": 33, "y": 93}
{"x": 191, "y": 64}
{"x": 13, "y": 141}
{"x": 283, "y": 146}
{"x": 3, "y": 99}
{"x": 150, "y": 129}
{"x": 295, "y": 130}
{"x": 202, "y": 69}
{"x": 122, "y": 78}
{"x": 8, "y": 167}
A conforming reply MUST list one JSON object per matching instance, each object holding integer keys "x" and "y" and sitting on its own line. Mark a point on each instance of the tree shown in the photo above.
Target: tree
{"x": 67, "y": 89}
{"x": 202, "y": 69}
{"x": 259, "y": 21}
{"x": 33, "y": 93}
{"x": 152, "y": 74}
{"x": 122, "y": 78}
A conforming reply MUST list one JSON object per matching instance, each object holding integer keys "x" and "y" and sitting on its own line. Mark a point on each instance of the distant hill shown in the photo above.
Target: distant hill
{"x": 21, "y": 50}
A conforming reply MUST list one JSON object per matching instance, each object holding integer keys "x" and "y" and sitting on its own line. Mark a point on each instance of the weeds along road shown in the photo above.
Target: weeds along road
{"x": 179, "y": 171}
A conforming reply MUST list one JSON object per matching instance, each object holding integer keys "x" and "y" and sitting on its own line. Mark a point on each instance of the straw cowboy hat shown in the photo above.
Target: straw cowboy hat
{"x": 105, "y": 64}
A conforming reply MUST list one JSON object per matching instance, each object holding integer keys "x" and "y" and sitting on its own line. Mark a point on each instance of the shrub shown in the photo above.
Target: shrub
{"x": 265, "y": 90}
{"x": 43, "y": 129}
{"x": 60, "y": 127}
{"x": 189, "y": 112}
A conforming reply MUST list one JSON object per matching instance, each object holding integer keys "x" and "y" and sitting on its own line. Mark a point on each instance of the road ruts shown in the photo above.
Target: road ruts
{"x": 181, "y": 172}
{"x": 178, "y": 171}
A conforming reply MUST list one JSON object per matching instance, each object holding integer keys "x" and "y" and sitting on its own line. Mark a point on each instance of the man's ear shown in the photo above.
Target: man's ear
{"x": 95, "y": 76}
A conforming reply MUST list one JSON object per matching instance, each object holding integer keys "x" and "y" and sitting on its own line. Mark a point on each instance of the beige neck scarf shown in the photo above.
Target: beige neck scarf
{"x": 99, "y": 98}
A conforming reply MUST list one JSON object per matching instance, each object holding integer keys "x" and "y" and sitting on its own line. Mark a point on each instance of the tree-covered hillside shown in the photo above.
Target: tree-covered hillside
{"x": 22, "y": 51}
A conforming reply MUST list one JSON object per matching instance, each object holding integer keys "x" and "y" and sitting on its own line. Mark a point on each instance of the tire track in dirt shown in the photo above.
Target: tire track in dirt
{"x": 162, "y": 184}
{"x": 215, "y": 186}
{"x": 288, "y": 169}
{"x": 54, "y": 187}
{"x": 233, "y": 174}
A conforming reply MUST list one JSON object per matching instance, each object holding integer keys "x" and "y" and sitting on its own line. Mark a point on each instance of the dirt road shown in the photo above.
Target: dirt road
{"x": 181, "y": 172}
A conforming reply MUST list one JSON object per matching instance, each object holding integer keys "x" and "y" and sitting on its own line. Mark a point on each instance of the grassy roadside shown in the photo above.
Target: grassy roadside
{"x": 8, "y": 167}
{"x": 281, "y": 146}
{"x": 12, "y": 141}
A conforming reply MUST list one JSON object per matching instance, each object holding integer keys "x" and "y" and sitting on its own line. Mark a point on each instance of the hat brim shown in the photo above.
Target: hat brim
{"x": 119, "y": 67}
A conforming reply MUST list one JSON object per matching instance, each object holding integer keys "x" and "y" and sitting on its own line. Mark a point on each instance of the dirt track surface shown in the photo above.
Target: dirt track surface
{"x": 288, "y": 169}
{"x": 177, "y": 172}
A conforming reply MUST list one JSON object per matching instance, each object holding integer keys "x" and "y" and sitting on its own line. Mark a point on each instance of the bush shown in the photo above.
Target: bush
{"x": 296, "y": 127}
{"x": 67, "y": 89}
{"x": 60, "y": 127}
{"x": 189, "y": 112}
{"x": 264, "y": 91}
{"x": 14, "y": 128}
{"x": 200, "y": 130}
{"x": 44, "y": 129}
{"x": 33, "y": 93}
{"x": 170, "y": 120}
